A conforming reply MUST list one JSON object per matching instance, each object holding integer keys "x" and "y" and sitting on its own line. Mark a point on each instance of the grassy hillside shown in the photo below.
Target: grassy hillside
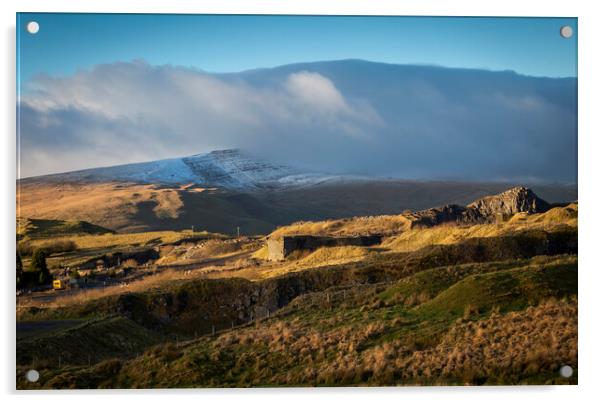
{"x": 486, "y": 304}
{"x": 414, "y": 239}
{"x": 401, "y": 237}
{"x": 360, "y": 340}
{"x": 129, "y": 207}
{"x": 426, "y": 284}
{"x": 111, "y": 240}
{"x": 506, "y": 289}
{"x": 89, "y": 342}
{"x": 316, "y": 272}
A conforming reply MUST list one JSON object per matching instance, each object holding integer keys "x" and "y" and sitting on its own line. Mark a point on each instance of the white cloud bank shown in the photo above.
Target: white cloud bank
{"x": 125, "y": 112}
{"x": 341, "y": 117}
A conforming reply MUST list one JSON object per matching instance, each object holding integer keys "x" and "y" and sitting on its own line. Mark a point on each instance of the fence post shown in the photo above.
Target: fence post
{"x": 212, "y": 330}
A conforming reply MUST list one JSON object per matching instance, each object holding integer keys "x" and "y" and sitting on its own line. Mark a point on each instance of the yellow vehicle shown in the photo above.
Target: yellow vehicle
{"x": 59, "y": 284}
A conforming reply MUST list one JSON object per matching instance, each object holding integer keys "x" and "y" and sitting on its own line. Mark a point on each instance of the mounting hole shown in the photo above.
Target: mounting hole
{"x": 566, "y": 371}
{"x": 32, "y": 375}
{"x": 566, "y": 31}
{"x": 33, "y": 27}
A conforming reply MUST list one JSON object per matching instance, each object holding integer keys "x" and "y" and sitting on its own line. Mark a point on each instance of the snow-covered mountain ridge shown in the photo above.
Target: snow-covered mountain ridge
{"x": 228, "y": 169}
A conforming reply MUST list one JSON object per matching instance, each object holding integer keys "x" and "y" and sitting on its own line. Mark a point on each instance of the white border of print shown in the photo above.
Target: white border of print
{"x": 590, "y": 66}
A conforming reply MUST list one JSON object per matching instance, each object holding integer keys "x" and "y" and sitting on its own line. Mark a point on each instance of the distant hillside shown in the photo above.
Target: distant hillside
{"x": 133, "y": 207}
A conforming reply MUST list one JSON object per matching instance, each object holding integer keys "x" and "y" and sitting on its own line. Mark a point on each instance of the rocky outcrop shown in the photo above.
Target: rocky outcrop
{"x": 485, "y": 210}
{"x": 510, "y": 202}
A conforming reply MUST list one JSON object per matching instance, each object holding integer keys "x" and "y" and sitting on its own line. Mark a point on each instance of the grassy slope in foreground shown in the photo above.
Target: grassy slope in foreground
{"x": 511, "y": 289}
{"x": 94, "y": 340}
{"x": 370, "y": 342}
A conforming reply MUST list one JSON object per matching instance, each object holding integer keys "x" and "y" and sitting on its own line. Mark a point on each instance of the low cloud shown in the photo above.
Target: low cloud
{"x": 316, "y": 92}
{"x": 422, "y": 123}
{"x": 125, "y": 112}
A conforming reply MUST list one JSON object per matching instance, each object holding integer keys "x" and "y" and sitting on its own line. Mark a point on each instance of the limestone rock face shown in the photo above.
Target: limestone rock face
{"x": 512, "y": 201}
{"x": 486, "y": 210}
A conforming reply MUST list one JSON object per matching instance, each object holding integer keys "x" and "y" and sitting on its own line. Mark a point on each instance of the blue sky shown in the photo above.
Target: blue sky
{"x": 68, "y": 42}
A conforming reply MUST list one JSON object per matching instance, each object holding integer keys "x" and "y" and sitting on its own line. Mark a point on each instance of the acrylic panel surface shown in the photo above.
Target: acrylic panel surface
{"x": 251, "y": 201}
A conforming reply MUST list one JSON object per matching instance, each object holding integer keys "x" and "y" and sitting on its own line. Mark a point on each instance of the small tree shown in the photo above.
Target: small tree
{"x": 38, "y": 264}
{"x": 38, "y": 261}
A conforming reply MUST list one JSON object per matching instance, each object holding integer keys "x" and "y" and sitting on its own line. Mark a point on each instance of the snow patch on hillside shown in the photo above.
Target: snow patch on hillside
{"x": 229, "y": 169}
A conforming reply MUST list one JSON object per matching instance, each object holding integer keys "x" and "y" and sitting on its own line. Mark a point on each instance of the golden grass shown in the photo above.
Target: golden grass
{"x": 383, "y": 224}
{"x": 415, "y": 239}
{"x": 108, "y": 204}
{"x": 123, "y": 240}
{"x": 407, "y": 241}
{"x": 338, "y": 349}
{"x": 521, "y": 343}
{"x": 333, "y": 255}
{"x": 261, "y": 253}
{"x": 538, "y": 339}
{"x": 402, "y": 238}
{"x": 319, "y": 258}
{"x": 567, "y": 215}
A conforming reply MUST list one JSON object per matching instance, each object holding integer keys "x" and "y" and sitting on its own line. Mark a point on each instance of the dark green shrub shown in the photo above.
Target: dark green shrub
{"x": 38, "y": 265}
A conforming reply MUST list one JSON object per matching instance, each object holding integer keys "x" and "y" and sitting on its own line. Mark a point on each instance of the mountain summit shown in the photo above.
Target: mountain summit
{"x": 229, "y": 169}
{"x": 235, "y": 169}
